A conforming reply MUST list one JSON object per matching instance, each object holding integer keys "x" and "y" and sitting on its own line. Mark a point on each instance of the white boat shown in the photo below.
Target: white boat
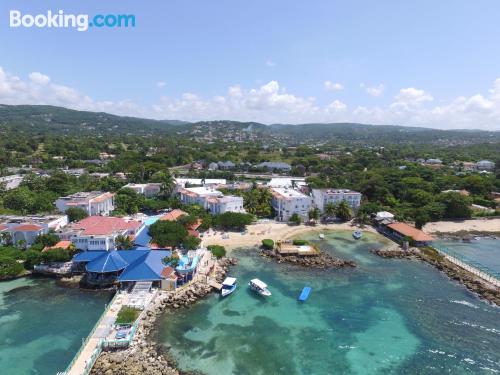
{"x": 321, "y": 236}
{"x": 357, "y": 234}
{"x": 228, "y": 286}
{"x": 260, "y": 287}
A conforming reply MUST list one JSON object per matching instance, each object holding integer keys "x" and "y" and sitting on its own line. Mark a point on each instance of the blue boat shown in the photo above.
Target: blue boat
{"x": 357, "y": 234}
{"x": 304, "y": 294}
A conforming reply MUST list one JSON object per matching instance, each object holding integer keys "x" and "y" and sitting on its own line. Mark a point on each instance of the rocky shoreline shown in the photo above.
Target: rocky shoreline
{"x": 145, "y": 355}
{"x": 322, "y": 260}
{"x": 473, "y": 283}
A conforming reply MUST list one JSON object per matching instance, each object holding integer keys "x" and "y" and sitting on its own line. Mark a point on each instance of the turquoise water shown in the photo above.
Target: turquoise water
{"x": 483, "y": 251}
{"x": 42, "y": 324}
{"x": 386, "y": 316}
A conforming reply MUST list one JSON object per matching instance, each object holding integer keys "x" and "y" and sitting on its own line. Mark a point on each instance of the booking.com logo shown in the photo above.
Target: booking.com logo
{"x": 80, "y": 22}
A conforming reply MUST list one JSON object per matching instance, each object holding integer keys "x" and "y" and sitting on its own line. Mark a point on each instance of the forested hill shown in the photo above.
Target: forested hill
{"x": 48, "y": 119}
{"x": 29, "y": 119}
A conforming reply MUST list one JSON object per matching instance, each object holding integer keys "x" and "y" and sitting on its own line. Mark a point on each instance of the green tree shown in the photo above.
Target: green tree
{"x": 168, "y": 233}
{"x": 9, "y": 267}
{"x": 232, "y": 220}
{"x": 295, "y": 219}
{"x": 217, "y": 250}
{"x": 343, "y": 211}
{"x": 123, "y": 242}
{"x": 191, "y": 242}
{"x": 76, "y": 214}
{"x": 330, "y": 209}
{"x": 456, "y": 205}
{"x": 313, "y": 214}
{"x": 268, "y": 244}
{"x": 21, "y": 199}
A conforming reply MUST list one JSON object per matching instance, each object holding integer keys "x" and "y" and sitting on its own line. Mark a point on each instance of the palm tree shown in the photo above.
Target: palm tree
{"x": 330, "y": 209}
{"x": 6, "y": 238}
{"x": 123, "y": 242}
{"x": 343, "y": 211}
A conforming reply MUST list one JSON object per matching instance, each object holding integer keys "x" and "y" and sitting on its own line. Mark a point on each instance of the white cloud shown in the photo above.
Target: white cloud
{"x": 333, "y": 86}
{"x": 270, "y": 63}
{"x": 161, "y": 84}
{"x": 373, "y": 90}
{"x": 39, "y": 78}
{"x": 269, "y": 103}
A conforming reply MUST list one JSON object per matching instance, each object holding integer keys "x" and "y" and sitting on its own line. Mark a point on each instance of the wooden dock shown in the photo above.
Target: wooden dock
{"x": 214, "y": 284}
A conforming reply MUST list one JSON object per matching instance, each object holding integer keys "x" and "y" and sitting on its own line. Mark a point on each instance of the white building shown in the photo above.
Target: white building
{"x": 287, "y": 201}
{"x": 148, "y": 190}
{"x": 198, "y": 195}
{"x": 211, "y": 199}
{"x": 485, "y": 165}
{"x": 229, "y": 203}
{"x": 28, "y": 228}
{"x": 322, "y": 197}
{"x": 93, "y": 202}
{"x": 11, "y": 182}
{"x": 99, "y": 233}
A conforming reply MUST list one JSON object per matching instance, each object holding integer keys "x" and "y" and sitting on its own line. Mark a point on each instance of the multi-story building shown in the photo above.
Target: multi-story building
{"x": 229, "y": 203}
{"x": 272, "y": 165}
{"x": 99, "y": 232}
{"x": 211, "y": 199}
{"x": 322, "y": 197}
{"x": 27, "y": 228}
{"x": 93, "y": 203}
{"x": 149, "y": 190}
{"x": 287, "y": 201}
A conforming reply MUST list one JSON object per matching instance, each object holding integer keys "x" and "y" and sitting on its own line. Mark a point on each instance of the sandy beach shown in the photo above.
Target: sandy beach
{"x": 474, "y": 225}
{"x": 273, "y": 230}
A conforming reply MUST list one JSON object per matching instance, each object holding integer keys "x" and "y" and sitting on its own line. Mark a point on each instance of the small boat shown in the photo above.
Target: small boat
{"x": 260, "y": 287}
{"x": 321, "y": 236}
{"x": 304, "y": 295}
{"x": 357, "y": 234}
{"x": 228, "y": 286}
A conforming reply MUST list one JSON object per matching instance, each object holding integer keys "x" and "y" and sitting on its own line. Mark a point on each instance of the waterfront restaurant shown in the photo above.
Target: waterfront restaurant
{"x": 401, "y": 231}
{"x": 125, "y": 267}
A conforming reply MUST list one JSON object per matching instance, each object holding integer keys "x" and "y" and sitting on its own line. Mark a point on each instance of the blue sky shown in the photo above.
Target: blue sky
{"x": 427, "y": 63}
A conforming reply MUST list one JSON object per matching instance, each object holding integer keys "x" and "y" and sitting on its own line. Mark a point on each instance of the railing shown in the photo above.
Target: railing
{"x": 89, "y": 336}
{"x": 469, "y": 265}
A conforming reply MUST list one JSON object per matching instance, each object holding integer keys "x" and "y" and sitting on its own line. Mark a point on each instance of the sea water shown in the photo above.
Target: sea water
{"x": 42, "y": 324}
{"x": 386, "y": 316}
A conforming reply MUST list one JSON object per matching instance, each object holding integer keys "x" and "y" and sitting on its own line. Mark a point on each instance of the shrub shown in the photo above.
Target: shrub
{"x": 76, "y": 214}
{"x": 268, "y": 244}
{"x": 9, "y": 267}
{"x": 299, "y": 242}
{"x": 217, "y": 250}
{"x": 295, "y": 219}
{"x": 127, "y": 315}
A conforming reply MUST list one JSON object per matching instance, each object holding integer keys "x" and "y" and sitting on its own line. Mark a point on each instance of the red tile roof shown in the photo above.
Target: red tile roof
{"x": 167, "y": 271}
{"x": 28, "y": 228}
{"x": 173, "y": 215}
{"x": 59, "y": 245}
{"x": 103, "y": 225}
{"x": 408, "y": 230}
{"x": 3, "y": 227}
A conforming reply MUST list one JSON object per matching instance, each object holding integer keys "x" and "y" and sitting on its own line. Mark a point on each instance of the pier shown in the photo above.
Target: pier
{"x": 103, "y": 334}
{"x": 475, "y": 268}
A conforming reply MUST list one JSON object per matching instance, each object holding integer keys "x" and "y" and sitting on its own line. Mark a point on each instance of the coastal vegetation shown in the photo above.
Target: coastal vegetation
{"x": 172, "y": 234}
{"x": 268, "y": 244}
{"x": 232, "y": 221}
{"x": 217, "y": 250}
{"x": 127, "y": 315}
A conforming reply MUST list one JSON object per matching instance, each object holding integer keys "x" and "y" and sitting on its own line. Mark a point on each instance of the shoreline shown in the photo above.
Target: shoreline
{"x": 145, "y": 354}
{"x": 275, "y": 231}
{"x": 483, "y": 226}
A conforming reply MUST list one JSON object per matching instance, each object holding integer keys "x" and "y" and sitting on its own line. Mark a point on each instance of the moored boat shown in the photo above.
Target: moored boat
{"x": 321, "y": 236}
{"x": 260, "y": 287}
{"x": 228, "y": 286}
{"x": 357, "y": 234}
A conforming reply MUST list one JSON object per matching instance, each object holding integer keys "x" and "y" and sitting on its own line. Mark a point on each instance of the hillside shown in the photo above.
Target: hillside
{"x": 29, "y": 119}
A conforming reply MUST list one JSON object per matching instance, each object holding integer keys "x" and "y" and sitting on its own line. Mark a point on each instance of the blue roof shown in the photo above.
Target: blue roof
{"x": 88, "y": 256}
{"x": 137, "y": 265}
{"x": 146, "y": 268}
{"x": 110, "y": 262}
